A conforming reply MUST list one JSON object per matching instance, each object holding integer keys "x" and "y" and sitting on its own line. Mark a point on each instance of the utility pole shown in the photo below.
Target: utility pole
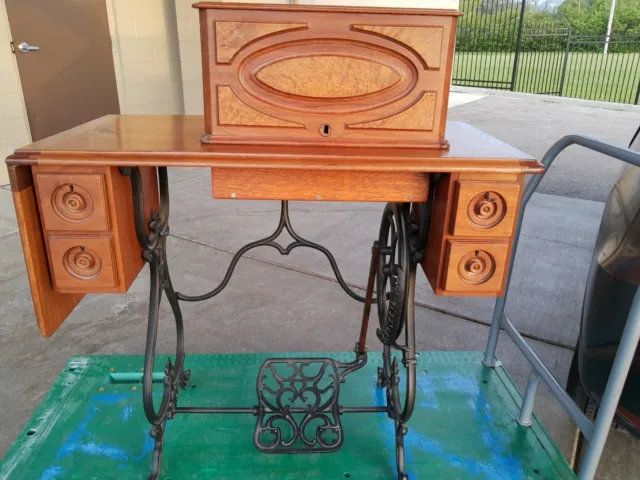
{"x": 609, "y": 25}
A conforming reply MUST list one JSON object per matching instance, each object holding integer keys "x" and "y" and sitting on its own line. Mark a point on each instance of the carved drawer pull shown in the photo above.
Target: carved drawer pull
{"x": 475, "y": 268}
{"x": 72, "y": 203}
{"x": 486, "y": 209}
{"x": 82, "y": 263}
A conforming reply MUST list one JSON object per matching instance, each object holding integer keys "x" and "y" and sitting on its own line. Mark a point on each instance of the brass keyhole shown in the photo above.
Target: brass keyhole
{"x": 325, "y": 130}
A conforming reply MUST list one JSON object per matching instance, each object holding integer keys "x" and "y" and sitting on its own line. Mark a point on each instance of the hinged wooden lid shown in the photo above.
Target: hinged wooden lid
{"x": 316, "y": 75}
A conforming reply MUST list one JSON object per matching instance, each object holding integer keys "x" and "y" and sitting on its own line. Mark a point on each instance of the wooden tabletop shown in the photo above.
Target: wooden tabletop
{"x": 174, "y": 140}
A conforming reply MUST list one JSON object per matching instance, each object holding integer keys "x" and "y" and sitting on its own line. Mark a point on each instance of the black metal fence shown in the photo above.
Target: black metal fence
{"x": 497, "y": 49}
{"x": 487, "y": 36}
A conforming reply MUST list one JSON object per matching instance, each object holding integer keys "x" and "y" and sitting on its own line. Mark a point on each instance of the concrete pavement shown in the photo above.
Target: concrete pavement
{"x": 291, "y": 303}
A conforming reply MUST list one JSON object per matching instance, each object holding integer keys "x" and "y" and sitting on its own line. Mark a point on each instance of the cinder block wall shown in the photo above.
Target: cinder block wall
{"x": 14, "y": 127}
{"x": 189, "y": 37}
{"x": 146, "y": 56}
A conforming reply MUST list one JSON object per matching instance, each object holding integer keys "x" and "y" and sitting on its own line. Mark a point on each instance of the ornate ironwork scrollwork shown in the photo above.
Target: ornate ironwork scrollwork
{"x": 402, "y": 242}
{"x": 153, "y": 242}
{"x": 393, "y": 268}
{"x": 270, "y": 241}
{"x": 298, "y": 409}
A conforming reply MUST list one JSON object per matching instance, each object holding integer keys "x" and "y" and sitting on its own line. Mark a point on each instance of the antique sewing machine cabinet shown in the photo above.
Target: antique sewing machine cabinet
{"x": 301, "y": 103}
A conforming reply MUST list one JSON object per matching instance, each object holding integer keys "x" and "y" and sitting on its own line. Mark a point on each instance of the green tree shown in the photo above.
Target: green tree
{"x": 590, "y": 17}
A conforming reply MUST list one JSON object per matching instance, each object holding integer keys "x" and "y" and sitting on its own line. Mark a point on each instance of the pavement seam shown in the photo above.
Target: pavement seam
{"x": 557, "y": 241}
{"x": 190, "y": 179}
{"x": 361, "y": 288}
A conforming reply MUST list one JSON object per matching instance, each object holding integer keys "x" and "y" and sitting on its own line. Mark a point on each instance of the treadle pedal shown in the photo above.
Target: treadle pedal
{"x": 298, "y": 409}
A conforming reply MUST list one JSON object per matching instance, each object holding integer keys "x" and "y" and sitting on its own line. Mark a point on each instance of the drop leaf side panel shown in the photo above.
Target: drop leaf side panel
{"x": 51, "y": 308}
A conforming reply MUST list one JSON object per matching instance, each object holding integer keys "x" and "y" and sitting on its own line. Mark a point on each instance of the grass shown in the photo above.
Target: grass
{"x": 593, "y": 76}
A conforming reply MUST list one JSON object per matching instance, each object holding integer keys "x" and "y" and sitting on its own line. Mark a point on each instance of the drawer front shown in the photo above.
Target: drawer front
{"x": 485, "y": 208}
{"x": 84, "y": 264}
{"x": 72, "y": 201}
{"x": 326, "y": 78}
{"x": 475, "y": 266}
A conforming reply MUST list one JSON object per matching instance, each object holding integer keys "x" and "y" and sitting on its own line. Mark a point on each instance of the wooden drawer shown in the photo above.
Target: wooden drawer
{"x": 485, "y": 208}
{"x": 475, "y": 266}
{"x": 72, "y": 201}
{"x": 320, "y": 75}
{"x": 88, "y": 226}
{"x": 82, "y": 263}
{"x": 471, "y": 233}
{"x": 345, "y": 186}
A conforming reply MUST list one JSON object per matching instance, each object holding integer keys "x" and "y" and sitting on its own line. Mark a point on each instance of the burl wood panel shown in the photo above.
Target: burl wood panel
{"x": 51, "y": 308}
{"x": 266, "y": 184}
{"x": 297, "y": 74}
{"x": 232, "y": 36}
{"x": 316, "y": 76}
{"x": 471, "y": 234}
{"x": 233, "y": 111}
{"x": 420, "y": 116}
{"x": 89, "y": 228}
{"x": 426, "y": 42}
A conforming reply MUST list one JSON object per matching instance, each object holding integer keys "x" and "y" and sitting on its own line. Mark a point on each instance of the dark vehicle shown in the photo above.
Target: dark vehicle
{"x": 613, "y": 279}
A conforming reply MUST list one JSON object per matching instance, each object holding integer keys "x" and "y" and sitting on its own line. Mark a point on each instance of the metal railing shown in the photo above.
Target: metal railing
{"x": 595, "y": 432}
{"x": 497, "y": 49}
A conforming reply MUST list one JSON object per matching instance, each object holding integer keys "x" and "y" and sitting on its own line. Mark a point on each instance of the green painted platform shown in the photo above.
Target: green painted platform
{"x": 91, "y": 426}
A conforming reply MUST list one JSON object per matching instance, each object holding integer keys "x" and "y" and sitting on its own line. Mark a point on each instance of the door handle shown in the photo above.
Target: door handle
{"x": 24, "y": 47}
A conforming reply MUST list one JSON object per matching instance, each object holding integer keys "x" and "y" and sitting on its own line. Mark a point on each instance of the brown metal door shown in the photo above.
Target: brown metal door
{"x": 70, "y": 79}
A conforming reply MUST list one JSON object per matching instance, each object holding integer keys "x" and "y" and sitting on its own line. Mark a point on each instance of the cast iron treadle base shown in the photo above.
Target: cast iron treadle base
{"x": 298, "y": 409}
{"x": 298, "y": 406}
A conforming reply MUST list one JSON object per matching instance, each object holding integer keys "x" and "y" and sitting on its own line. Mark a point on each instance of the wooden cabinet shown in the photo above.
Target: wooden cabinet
{"x": 471, "y": 233}
{"x": 281, "y": 74}
{"x": 88, "y": 227}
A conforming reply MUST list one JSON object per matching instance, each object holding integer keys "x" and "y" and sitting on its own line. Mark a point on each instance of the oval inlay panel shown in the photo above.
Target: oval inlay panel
{"x": 82, "y": 263}
{"x": 72, "y": 203}
{"x": 328, "y": 76}
{"x": 476, "y": 267}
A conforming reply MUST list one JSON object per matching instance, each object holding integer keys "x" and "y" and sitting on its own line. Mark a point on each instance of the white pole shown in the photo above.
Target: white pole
{"x": 609, "y": 25}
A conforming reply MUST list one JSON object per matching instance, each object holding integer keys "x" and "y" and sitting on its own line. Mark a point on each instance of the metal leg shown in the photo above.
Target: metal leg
{"x": 526, "y": 411}
{"x": 270, "y": 241}
{"x": 399, "y": 255}
{"x": 154, "y": 252}
{"x": 494, "y": 332}
{"x": 611, "y": 396}
{"x": 316, "y": 427}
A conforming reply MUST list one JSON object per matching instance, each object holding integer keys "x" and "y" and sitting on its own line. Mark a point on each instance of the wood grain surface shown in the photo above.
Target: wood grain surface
{"x": 485, "y": 208}
{"x": 51, "y": 308}
{"x": 328, "y": 76}
{"x": 454, "y": 238}
{"x": 232, "y": 36}
{"x": 426, "y": 42}
{"x": 339, "y": 80}
{"x": 83, "y": 263}
{"x": 174, "y": 140}
{"x": 475, "y": 266}
{"x": 418, "y": 116}
{"x": 233, "y": 111}
{"x": 70, "y": 202}
{"x": 100, "y": 224}
{"x": 266, "y": 184}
